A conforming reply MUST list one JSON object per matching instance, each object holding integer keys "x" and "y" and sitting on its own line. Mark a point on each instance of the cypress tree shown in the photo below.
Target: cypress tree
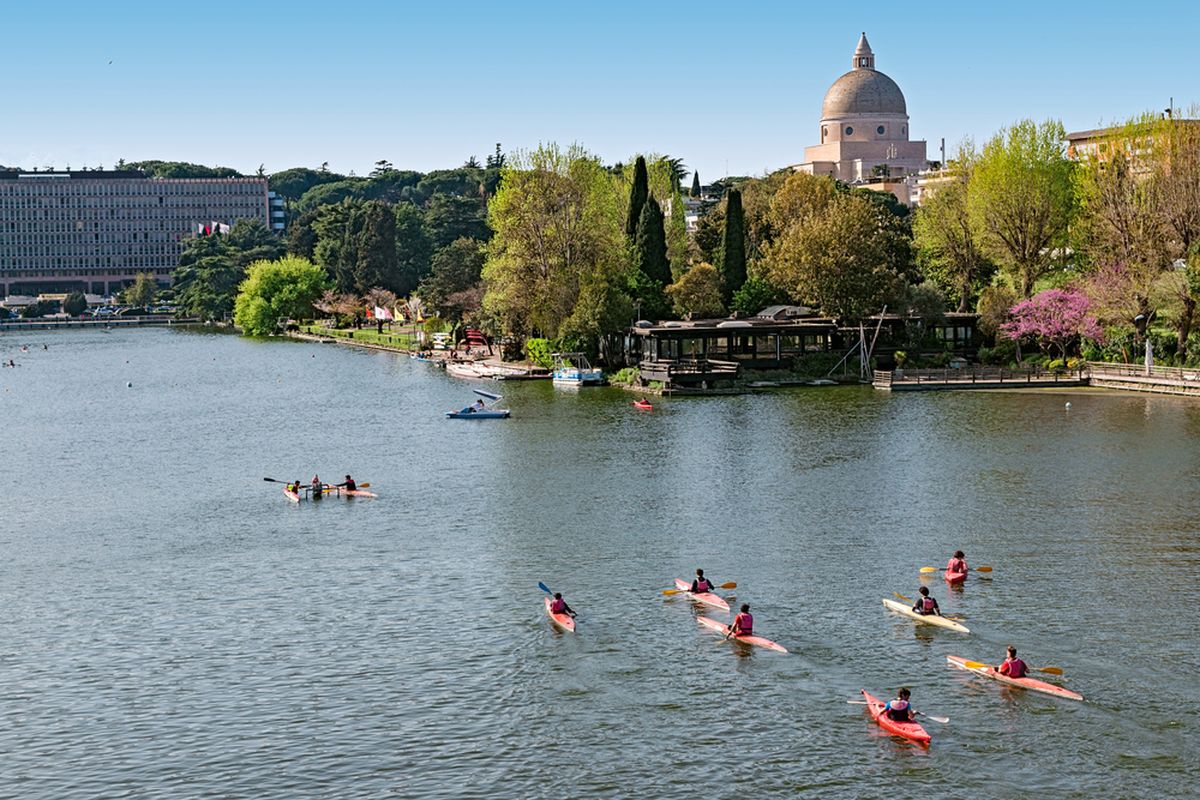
{"x": 696, "y": 184}
{"x": 733, "y": 245}
{"x": 376, "y": 261}
{"x": 637, "y": 197}
{"x": 650, "y": 244}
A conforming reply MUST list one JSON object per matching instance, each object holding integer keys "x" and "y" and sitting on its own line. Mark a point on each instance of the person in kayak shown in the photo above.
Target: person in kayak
{"x": 317, "y": 487}
{"x": 743, "y": 623}
{"x": 701, "y": 584}
{"x": 294, "y": 486}
{"x": 958, "y": 563}
{"x": 559, "y": 606}
{"x": 926, "y": 604}
{"x": 1013, "y": 667}
{"x": 899, "y": 709}
{"x": 349, "y": 484}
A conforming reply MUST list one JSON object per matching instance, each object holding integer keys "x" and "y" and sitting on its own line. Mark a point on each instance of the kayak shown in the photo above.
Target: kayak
{"x": 909, "y": 730}
{"x": 757, "y": 641}
{"x": 643, "y": 405}
{"x": 707, "y": 598}
{"x": 927, "y": 619}
{"x": 355, "y": 492}
{"x": 293, "y": 496}
{"x": 1025, "y": 683}
{"x": 955, "y": 577}
{"x": 564, "y": 621}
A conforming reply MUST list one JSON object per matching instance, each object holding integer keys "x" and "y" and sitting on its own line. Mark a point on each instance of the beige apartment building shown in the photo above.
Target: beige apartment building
{"x": 93, "y": 231}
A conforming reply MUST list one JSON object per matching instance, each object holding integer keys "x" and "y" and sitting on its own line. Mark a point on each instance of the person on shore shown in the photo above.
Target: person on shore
{"x": 559, "y": 606}
{"x": 1013, "y": 667}
{"x": 899, "y": 709}
{"x": 701, "y": 584}
{"x": 957, "y": 563}
{"x": 743, "y": 622}
{"x": 926, "y": 604}
{"x": 349, "y": 484}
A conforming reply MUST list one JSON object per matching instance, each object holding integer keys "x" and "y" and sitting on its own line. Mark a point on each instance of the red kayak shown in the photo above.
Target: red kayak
{"x": 293, "y": 496}
{"x": 955, "y": 577}
{"x": 757, "y": 641}
{"x": 644, "y": 405}
{"x": 707, "y": 598}
{"x": 1025, "y": 683}
{"x": 909, "y": 730}
{"x": 564, "y": 621}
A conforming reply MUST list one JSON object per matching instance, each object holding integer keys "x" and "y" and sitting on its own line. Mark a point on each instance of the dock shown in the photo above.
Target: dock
{"x": 924, "y": 380}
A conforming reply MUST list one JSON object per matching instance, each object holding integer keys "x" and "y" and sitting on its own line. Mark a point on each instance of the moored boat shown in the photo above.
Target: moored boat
{"x": 573, "y": 369}
{"x": 1033, "y": 684}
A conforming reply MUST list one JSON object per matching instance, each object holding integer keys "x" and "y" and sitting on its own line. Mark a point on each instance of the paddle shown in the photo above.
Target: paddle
{"x": 981, "y": 568}
{"x": 933, "y": 717}
{"x": 546, "y": 589}
{"x": 944, "y": 616}
{"x": 726, "y": 585}
{"x": 1047, "y": 670}
{"x": 331, "y": 487}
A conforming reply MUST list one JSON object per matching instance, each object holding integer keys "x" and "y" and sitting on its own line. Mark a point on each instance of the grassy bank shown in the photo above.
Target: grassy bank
{"x": 400, "y": 339}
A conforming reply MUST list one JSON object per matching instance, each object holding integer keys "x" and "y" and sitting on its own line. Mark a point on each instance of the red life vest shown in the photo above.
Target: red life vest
{"x": 927, "y": 604}
{"x": 743, "y": 624}
{"x": 703, "y": 585}
{"x": 1013, "y": 668}
{"x": 956, "y": 565}
{"x": 558, "y": 606}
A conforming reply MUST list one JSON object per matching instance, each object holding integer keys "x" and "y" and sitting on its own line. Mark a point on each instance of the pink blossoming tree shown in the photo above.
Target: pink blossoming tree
{"x": 1054, "y": 318}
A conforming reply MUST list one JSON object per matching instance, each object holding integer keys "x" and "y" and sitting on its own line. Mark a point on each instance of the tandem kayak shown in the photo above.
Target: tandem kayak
{"x": 927, "y": 619}
{"x": 1025, "y": 683}
{"x": 909, "y": 730}
{"x": 293, "y": 496}
{"x": 757, "y": 641}
{"x": 707, "y": 598}
{"x": 564, "y": 621}
{"x": 955, "y": 577}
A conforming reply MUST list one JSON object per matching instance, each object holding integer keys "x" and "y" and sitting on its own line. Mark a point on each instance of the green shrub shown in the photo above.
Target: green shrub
{"x": 1057, "y": 365}
{"x": 538, "y": 352}
{"x": 901, "y": 359}
{"x": 626, "y": 377}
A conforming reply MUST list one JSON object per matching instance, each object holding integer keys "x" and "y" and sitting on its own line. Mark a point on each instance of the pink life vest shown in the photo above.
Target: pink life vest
{"x": 1013, "y": 668}
{"x": 558, "y": 606}
{"x": 927, "y": 604}
{"x": 897, "y": 710}
{"x": 703, "y": 585}
{"x": 956, "y": 565}
{"x": 743, "y": 624}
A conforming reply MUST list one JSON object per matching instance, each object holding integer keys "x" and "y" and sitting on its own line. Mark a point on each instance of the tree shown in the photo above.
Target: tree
{"x": 1175, "y": 196}
{"x": 639, "y": 190}
{"x": 376, "y": 259}
{"x": 413, "y": 249}
{"x": 456, "y": 268}
{"x": 450, "y": 217}
{"x": 1021, "y": 200}
{"x": 496, "y": 160}
{"x": 695, "y": 193}
{"x": 994, "y": 309}
{"x": 142, "y": 291}
{"x": 733, "y": 245}
{"x": 75, "y": 304}
{"x": 946, "y": 245}
{"x": 698, "y": 292}
{"x": 650, "y": 245}
{"x": 1054, "y": 318}
{"x": 755, "y": 295}
{"x": 274, "y": 291}
{"x": 558, "y": 246}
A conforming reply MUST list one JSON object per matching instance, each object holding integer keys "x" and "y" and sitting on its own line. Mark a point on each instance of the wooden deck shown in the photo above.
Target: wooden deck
{"x": 1137, "y": 378}
{"x": 923, "y": 380}
{"x": 688, "y": 371}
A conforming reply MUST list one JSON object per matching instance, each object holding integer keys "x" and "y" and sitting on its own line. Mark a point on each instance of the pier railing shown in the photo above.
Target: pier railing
{"x": 1101, "y": 369}
{"x": 975, "y": 376}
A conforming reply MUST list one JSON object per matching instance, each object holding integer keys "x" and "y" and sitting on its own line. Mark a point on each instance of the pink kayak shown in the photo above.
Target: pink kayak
{"x": 356, "y": 493}
{"x": 1025, "y": 683}
{"x": 564, "y": 621}
{"x": 909, "y": 730}
{"x": 955, "y": 577}
{"x": 757, "y": 641}
{"x": 290, "y": 495}
{"x": 707, "y": 598}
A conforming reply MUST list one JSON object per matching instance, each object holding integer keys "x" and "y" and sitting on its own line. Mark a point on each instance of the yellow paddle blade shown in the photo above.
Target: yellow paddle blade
{"x": 902, "y": 597}
{"x": 1049, "y": 670}
{"x": 984, "y": 568}
{"x": 729, "y": 585}
{"x": 364, "y": 486}
{"x": 974, "y": 665}
{"x": 671, "y": 591}
{"x": 929, "y": 569}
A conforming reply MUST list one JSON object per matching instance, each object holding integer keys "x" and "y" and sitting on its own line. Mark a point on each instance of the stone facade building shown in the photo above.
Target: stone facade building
{"x": 864, "y": 127}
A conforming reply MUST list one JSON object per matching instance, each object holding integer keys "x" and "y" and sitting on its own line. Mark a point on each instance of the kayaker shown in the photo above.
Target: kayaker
{"x": 349, "y": 484}
{"x": 317, "y": 487}
{"x": 1013, "y": 667}
{"x": 958, "y": 563}
{"x": 701, "y": 584}
{"x": 899, "y": 709}
{"x": 926, "y": 604}
{"x": 743, "y": 623}
{"x": 559, "y": 606}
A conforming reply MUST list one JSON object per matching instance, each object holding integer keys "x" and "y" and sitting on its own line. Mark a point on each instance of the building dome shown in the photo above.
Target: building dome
{"x": 863, "y": 91}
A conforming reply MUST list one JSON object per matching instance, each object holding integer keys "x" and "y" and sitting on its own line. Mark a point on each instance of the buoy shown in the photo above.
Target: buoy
{"x": 1068, "y": 406}
{"x": 129, "y": 384}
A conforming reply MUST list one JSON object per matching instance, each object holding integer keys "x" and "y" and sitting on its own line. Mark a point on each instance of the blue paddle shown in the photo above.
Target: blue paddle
{"x": 544, "y": 588}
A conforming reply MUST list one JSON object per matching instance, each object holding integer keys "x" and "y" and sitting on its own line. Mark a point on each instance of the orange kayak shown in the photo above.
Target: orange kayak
{"x": 1025, "y": 683}
{"x": 909, "y": 730}
{"x": 564, "y": 621}
{"x": 707, "y": 598}
{"x": 757, "y": 641}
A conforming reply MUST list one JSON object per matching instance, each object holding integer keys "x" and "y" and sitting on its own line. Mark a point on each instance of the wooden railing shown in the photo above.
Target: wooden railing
{"x": 688, "y": 370}
{"x": 973, "y": 375}
{"x": 1101, "y": 369}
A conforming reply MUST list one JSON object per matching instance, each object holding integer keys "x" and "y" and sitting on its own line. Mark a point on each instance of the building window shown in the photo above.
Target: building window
{"x": 824, "y": 133}
{"x": 849, "y": 131}
{"x": 879, "y": 130}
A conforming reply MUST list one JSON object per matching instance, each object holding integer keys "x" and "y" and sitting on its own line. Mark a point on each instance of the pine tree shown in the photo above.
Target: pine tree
{"x": 650, "y": 244}
{"x": 637, "y": 197}
{"x": 733, "y": 245}
{"x": 696, "y": 184}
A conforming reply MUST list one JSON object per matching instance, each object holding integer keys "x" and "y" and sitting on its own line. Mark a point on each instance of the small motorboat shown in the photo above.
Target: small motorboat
{"x": 573, "y": 369}
{"x": 470, "y": 412}
{"x": 643, "y": 404}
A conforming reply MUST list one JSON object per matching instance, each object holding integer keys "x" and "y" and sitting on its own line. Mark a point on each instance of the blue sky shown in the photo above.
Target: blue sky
{"x": 726, "y": 86}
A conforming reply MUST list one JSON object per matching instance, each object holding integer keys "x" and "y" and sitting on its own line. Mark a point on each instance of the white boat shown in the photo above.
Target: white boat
{"x": 573, "y": 369}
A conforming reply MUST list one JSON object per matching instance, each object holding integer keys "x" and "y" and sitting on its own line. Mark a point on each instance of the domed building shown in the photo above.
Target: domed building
{"x": 864, "y": 127}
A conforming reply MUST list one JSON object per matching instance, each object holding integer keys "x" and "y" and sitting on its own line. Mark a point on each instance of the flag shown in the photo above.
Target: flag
{"x": 370, "y": 315}
{"x": 382, "y": 313}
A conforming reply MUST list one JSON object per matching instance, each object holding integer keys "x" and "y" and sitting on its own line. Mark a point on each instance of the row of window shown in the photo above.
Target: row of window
{"x": 124, "y": 188}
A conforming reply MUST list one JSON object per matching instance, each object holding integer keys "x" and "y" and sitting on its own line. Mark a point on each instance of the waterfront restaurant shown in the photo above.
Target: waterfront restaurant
{"x": 702, "y": 351}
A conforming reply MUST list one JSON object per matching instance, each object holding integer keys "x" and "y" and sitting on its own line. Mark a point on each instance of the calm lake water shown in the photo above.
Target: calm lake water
{"x": 173, "y": 627}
